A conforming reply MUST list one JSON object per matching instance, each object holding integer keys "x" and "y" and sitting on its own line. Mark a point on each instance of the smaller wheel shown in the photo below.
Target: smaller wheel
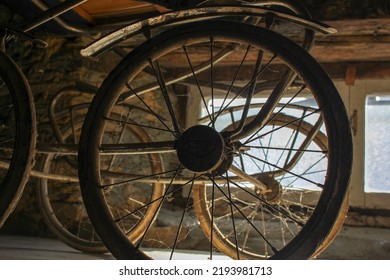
{"x": 61, "y": 204}
{"x": 60, "y": 200}
{"x": 285, "y": 195}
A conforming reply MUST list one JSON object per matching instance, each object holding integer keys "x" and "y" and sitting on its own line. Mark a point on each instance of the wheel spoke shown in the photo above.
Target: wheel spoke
{"x": 197, "y": 83}
{"x": 249, "y": 95}
{"x": 288, "y": 171}
{"x": 212, "y": 81}
{"x": 212, "y": 216}
{"x": 158, "y": 207}
{"x": 234, "y": 80}
{"x": 163, "y": 87}
{"x": 243, "y": 89}
{"x": 303, "y": 87}
{"x": 271, "y": 206}
{"x": 133, "y": 178}
{"x": 282, "y": 126}
{"x": 179, "y": 78}
{"x": 232, "y": 215}
{"x": 248, "y": 221}
{"x": 166, "y": 194}
{"x": 139, "y": 125}
{"x": 151, "y": 111}
{"x": 305, "y": 143}
{"x": 308, "y": 169}
{"x": 182, "y": 218}
{"x": 290, "y": 142}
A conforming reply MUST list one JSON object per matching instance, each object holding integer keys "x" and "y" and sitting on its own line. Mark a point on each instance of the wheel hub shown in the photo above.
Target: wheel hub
{"x": 201, "y": 149}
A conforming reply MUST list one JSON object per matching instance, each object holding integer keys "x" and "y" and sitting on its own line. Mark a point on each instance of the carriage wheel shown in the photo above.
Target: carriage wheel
{"x": 17, "y": 134}
{"x": 281, "y": 141}
{"x": 60, "y": 199}
{"x": 186, "y": 79}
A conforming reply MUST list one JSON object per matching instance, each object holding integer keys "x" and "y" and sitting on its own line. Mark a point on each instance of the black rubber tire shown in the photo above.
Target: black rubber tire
{"x": 336, "y": 121}
{"x": 25, "y": 134}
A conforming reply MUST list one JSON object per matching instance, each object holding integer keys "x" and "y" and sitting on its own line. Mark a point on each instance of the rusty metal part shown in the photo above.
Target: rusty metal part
{"x": 274, "y": 189}
{"x": 249, "y": 178}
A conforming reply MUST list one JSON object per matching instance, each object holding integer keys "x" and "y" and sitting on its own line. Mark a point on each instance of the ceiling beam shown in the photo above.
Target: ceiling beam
{"x": 357, "y": 40}
{"x": 348, "y": 71}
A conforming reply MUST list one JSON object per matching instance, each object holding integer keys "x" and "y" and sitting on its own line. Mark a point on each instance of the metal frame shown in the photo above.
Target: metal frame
{"x": 203, "y": 13}
{"x": 170, "y": 19}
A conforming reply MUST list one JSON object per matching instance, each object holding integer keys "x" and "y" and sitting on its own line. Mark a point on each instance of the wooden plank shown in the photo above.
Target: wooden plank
{"x": 350, "y": 74}
{"x": 356, "y": 40}
{"x": 376, "y": 26}
{"x": 337, "y": 71}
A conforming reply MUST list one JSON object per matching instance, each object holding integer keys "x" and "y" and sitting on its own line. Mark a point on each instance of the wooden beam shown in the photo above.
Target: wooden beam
{"x": 366, "y": 40}
{"x": 364, "y": 70}
{"x": 336, "y": 9}
{"x": 337, "y": 71}
{"x": 350, "y": 75}
{"x": 356, "y": 40}
{"x": 374, "y": 26}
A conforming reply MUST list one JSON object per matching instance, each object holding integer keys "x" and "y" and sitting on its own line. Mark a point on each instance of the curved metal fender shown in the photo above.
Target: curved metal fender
{"x": 205, "y": 13}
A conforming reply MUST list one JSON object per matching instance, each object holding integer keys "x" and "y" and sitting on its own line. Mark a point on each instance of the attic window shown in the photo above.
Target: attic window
{"x": 377, "y": 144}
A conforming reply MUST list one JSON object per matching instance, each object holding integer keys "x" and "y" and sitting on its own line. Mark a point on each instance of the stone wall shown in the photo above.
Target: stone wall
{"x": 48, "y": 70}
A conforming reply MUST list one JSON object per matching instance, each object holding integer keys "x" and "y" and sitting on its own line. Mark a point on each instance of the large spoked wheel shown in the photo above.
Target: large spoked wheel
{"x": 17, "y": 134}
{"x": 299, "y": 148}
{"x": 186, "y": 80}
